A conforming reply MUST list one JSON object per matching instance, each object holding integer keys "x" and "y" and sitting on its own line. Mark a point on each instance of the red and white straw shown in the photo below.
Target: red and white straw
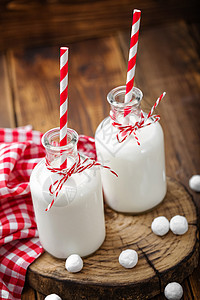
{"x": 156, "y": 104}
{"x": 63, "y": 100}
{"x": 132, "y": 55}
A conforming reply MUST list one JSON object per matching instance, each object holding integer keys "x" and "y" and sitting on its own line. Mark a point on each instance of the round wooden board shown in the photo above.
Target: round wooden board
{"x": 161, "y": 259}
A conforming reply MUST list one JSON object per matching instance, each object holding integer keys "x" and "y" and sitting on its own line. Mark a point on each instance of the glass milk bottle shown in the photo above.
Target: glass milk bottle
{"x": 141, "y": 182}
{"x": 75, "y": 222}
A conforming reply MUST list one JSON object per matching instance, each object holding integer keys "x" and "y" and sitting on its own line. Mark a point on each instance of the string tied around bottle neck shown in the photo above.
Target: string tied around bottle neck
{"x": 78, "y": 167}
{"x": 127, "y": 130}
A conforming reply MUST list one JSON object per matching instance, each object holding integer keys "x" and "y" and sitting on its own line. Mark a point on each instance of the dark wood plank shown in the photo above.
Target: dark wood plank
{"x": 168, "y": 61}
{"x": 194, "y": 281}
{"x": 95, "y": 66}
{"x": 194, "y": 30}
{"x": 6, "y": 104}
{"x": 39, "y": 296}
{"x": 187, "y": 292}
{"x": 68, "y": 21}
{"x": 36, "y": 88}
{"x": 28, "y": 293}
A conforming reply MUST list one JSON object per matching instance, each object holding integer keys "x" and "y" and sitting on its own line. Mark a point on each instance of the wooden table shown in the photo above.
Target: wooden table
{"x": 167, "y": 61}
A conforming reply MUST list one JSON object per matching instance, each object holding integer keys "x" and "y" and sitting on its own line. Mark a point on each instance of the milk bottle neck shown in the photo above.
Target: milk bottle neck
{"x": 119, "y": 108}
{"x": 51, "y": 142}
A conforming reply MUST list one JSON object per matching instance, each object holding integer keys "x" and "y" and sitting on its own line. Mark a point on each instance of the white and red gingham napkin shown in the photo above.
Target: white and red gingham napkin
{"x": 20, "y": 151}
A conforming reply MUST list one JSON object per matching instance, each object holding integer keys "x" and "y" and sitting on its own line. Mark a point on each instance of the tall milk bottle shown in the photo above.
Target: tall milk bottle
{"x": 75, "y": 222}
{"x": 141, "y": 182}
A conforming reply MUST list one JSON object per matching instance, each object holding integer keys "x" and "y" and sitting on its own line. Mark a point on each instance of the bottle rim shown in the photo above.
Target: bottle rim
{"x": 54, "y": 133}
{"x": 119, "y": 92}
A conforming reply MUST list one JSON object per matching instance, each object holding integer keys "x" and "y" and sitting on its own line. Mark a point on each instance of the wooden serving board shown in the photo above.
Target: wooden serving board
{"x": 161, "y": 259}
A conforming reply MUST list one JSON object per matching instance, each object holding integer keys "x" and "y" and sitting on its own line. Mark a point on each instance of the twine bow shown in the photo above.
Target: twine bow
{"x": 127, "y": 130}
{"x": 77, "y": 167}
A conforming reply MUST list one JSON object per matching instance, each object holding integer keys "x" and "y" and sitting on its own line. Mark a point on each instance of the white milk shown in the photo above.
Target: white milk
{"x": 75, "y": 223}
{"x": 141, "y": 182}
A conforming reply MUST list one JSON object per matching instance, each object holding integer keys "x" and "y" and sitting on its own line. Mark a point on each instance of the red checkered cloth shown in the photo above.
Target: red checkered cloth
{"x": 20, "y": 151}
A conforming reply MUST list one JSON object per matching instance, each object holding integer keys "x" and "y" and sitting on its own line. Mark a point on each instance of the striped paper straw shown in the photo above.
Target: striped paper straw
{"x": 156, "y": 104}
{"x": 63, "y": 101}
{"x": 132, "y": 55}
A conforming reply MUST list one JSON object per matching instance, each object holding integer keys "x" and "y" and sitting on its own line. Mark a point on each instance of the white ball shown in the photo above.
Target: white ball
{"x": 173, "y": 291}
{"x": 52, "y": 297}
{"x": 128, "y": 258}
{"x": 160, "y": 226}
{"x": 178, "y": 225}
{"x": 74, "y": 263}
{"x": 194, "y": 183}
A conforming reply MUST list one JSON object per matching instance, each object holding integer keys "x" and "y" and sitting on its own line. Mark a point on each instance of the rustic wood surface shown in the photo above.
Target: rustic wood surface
{"x": 167, "y": 60}
{"x": 161, "y": 259}
{"x": 69, "y": 21}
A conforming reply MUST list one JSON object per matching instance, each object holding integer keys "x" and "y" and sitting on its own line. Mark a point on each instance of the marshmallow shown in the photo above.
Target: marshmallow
{"x": 52, "y": 297}
{"x": 128, "y": 258}
{"x": 173, "y": 291}
{"x": 194, "y": 183}
{"x": 178, "y": 225}
{"x": 74, "y": 263}
{"x": 160, "y": 226}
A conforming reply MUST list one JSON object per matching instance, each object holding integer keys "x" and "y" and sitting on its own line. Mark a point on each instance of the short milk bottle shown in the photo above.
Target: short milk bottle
{"x": 141, "y": 182}
{"x": 74, "y": 221}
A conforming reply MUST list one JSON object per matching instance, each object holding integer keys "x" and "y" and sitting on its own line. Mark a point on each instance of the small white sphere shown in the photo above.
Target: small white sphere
{"x": 160, "y": 226}
{"x": 178, "y": 225}
{"x": 52, "y": 297}
{"x": 74, "y": 263}
{"x": 128, "y": 258}
{"x": 194, "y": 183}
{"x": 173, "y": 291}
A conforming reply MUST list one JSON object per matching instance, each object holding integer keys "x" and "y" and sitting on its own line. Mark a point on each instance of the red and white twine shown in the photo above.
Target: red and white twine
{"x": 63, "y": 100}
{"x": 132, "y": 56}
{"x": 77, "y": 167}
{"x": 127, "y": 130}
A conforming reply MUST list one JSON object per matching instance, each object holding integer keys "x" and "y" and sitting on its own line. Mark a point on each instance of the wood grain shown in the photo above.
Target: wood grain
{"x": 28, "y": 293}
{"x": 161, "y": 259}
{"x": 40, "y": 296}
{"x": 61, "y": 21}
{"x": 36, "y": 84}
{"x": 194, "y": 282}
{"x": 6, "y": 110}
